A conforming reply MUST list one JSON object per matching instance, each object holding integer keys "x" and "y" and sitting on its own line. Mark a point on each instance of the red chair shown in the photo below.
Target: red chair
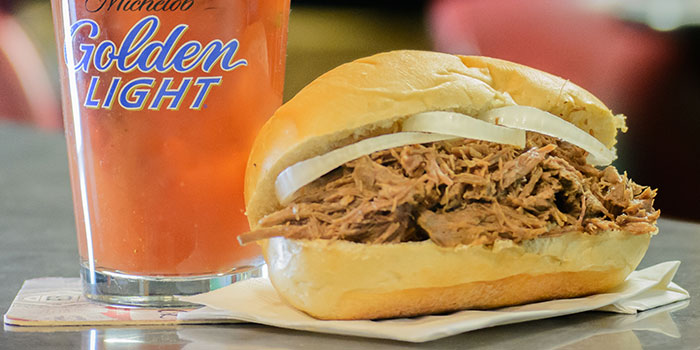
{"x": 614, "y": 60}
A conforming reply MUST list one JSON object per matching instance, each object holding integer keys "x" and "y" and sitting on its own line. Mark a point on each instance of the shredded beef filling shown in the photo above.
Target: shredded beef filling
{"x": 464, "y": 192}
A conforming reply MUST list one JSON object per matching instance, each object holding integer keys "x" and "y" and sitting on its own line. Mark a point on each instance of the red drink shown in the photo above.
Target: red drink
{"x": 162, "y": 100}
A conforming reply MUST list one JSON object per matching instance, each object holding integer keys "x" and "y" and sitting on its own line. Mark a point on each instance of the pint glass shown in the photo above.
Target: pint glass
{"x": 161, "y": 102}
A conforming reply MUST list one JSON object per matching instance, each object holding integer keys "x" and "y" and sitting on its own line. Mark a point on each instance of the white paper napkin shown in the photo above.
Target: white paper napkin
{"x": 257, "y": 301}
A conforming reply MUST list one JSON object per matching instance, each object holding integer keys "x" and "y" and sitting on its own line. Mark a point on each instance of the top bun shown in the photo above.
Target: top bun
{"x": 369, "y": 96}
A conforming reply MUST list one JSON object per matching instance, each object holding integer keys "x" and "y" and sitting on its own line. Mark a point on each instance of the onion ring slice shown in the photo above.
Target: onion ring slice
{"x": 303, "y": 173}
{"x": 462, "y": 125}
{"x": 537, "y": 120}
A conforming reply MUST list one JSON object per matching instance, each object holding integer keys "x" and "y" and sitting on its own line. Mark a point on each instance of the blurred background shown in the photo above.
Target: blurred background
{"x": 641, "y": 57}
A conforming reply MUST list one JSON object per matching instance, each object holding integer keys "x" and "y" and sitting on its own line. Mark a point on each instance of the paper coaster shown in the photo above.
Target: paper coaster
{"x": 58, "y": 302}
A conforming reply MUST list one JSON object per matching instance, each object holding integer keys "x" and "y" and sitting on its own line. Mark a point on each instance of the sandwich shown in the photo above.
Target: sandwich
{"x": 411, "y": 183}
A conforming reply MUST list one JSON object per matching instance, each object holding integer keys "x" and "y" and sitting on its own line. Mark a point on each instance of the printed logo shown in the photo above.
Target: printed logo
{"x": 138, "y": 5}
{"x": 138, "y": 51}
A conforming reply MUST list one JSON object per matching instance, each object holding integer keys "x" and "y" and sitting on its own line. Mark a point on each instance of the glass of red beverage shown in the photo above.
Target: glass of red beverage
{"x": 161, "y": 102}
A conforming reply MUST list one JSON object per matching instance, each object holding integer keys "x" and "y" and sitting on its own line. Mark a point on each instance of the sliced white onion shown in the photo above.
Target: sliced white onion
{"x": 440, "y": 125}
{"x": 537, "y": 120}
{"x": 452, "y": 123}
{"x": 303, "y": 173}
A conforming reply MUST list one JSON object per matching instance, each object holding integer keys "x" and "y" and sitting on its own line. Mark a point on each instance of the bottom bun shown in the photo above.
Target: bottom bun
{"x": 346, "y": 280}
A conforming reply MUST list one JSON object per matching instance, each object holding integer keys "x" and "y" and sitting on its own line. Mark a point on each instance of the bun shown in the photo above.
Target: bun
{"x": 335, "y": 279}
{"x": 346, "y": 280}
{"x": 367, "y": 97}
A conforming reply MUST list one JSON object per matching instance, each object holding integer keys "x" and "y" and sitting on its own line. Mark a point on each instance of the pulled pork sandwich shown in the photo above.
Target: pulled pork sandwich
{"x": 411, "y": 183}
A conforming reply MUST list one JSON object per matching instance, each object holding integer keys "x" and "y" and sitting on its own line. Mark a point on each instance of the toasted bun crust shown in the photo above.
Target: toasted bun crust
{"x": 345, "y": 280}
{"x": 371, "y": 95}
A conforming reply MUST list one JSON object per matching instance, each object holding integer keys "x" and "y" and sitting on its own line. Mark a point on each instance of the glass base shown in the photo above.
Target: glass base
{"x": 156, "y": 291}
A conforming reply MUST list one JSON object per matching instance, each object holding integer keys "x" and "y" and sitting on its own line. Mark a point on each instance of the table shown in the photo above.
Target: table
{"x": 37, "y": 238}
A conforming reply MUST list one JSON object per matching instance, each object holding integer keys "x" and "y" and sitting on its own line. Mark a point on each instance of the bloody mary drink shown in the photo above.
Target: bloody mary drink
{"x": 161, "y": 102}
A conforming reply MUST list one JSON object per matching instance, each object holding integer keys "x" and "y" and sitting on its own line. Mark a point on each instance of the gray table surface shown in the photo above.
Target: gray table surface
{"x": 37, "y": 239}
